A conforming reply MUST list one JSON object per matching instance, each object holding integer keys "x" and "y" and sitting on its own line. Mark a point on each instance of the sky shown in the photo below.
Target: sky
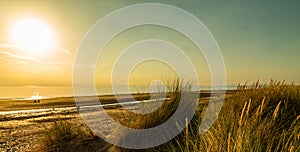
{"x": 259, "y": 40}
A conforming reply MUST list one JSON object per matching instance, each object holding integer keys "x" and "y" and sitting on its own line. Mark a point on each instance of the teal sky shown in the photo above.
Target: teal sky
{"x": 259, "y": 40}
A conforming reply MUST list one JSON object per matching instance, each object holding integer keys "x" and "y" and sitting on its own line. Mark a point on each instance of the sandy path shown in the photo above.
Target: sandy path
{"x": 25, "y": 133}
{"x": 21, "y": 131}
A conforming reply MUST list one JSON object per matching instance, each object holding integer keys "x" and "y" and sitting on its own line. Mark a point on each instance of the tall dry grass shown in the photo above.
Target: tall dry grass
{"x": 256, "y": 118}
{"x": 67, "y": 136}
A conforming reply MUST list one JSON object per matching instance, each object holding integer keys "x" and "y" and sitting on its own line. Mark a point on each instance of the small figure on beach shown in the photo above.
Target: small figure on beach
{"x": 36, "y": 96}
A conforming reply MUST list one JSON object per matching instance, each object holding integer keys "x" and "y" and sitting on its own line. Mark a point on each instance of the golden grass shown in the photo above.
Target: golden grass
{"x": 66, "y": 136}
{"x": 255, "y": 118}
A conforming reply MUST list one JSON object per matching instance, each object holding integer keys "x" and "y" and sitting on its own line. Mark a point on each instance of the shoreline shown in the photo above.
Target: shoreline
{"x": 101, "y": 95}
{"x": 71, "y": 101}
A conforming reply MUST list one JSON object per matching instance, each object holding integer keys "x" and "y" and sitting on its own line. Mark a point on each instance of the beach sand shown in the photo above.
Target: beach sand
{"x": 22, "y": 131}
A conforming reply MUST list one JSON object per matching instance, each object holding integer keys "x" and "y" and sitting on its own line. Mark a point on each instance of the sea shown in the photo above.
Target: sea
{"x": 27, "y": 92}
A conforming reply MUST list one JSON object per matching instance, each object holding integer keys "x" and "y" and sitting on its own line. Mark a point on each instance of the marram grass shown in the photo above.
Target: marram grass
{"x": 258, "y": 117}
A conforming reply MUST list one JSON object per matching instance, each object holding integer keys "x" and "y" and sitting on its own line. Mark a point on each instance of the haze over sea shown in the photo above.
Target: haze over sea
{"x": 23, "y": 92}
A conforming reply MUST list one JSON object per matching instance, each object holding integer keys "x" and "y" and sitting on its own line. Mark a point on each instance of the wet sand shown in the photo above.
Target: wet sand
{"x": 61, "y": 102}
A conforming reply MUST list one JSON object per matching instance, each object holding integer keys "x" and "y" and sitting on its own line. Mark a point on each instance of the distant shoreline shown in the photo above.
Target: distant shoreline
{"x": 71, "y": 101}
{"x": 25, "y": 92}
{"x": 99, "y": 95}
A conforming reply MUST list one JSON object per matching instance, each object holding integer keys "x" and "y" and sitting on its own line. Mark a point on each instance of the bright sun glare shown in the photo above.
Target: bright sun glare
{"x": 32, "y": 36}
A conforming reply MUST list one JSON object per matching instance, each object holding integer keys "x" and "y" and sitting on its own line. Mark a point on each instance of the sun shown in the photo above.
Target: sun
{"x": 32, "y": 36}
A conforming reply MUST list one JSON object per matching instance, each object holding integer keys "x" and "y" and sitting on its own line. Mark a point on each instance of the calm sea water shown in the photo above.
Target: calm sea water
{"x": 21, "y": 92}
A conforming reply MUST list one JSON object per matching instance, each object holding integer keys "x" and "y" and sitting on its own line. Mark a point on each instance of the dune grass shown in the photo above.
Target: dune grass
{"x": 164, "y": 112}
{"x": 66, "y": 136}
{"x": 258, "y": 117}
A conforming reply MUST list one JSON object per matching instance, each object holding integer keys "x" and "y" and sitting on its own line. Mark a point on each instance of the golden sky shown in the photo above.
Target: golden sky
{"x": 258, "y": 40}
